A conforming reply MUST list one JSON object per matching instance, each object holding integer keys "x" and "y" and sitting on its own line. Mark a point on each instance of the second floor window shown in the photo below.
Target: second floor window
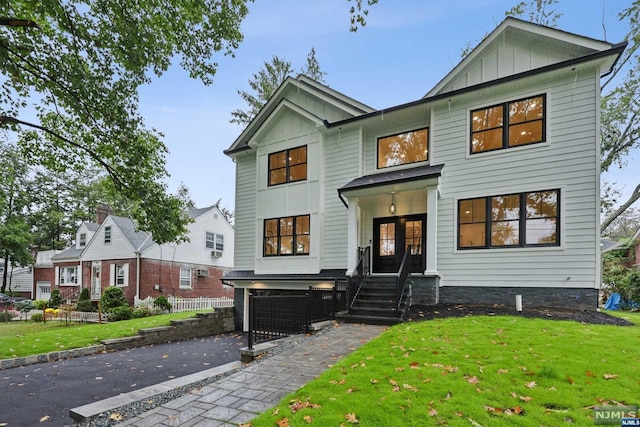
{"x": 214, "y": 241}
{"x": 403, "y": 148}
{"x": 107, "y": 234}
{"x": 288, "y": 166}
{"x": 508, "y": 125}
{"x": 287, "y": 236}
{"x": 83, "y": 239}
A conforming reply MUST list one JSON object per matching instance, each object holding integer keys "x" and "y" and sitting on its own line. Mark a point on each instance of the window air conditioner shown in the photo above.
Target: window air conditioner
{"x": 203, "y": 273}
{"x": 216, "y": 254}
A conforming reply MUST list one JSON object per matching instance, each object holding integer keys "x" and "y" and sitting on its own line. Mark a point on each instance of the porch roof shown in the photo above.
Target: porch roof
{"x": 395, "y": 177}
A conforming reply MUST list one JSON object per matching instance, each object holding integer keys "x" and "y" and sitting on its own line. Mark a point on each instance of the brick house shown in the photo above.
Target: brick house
{"x": 111, "y": 252}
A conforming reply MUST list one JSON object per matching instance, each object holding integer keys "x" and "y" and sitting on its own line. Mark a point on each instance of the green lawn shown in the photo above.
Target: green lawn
{"x": 20, "y": 338}
{"x": 473, "y": 371}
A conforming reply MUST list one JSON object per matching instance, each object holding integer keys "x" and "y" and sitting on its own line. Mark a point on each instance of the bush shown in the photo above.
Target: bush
{"x": 121, "y": 312}
{"x": 141, "y": 312}
{"x": 40, "y": 303}
{"x": 84, "y": 295}
{"x": 85, "y": 305}
{"x": 162, "y": 303}
{"x": 37, "y": 317}
{"x": 6, "y": 316}
{"x": 111, "y": 298}
{"x": 55, "y": 300}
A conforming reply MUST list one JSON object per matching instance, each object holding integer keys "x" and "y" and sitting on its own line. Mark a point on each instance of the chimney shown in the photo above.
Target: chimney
{"x": 103, "y": 212}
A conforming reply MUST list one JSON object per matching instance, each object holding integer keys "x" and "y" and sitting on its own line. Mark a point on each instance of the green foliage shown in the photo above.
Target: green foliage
{"x": 6, "y": 316}
{"x": 55, "y": 299}
{"x": 112, "y": 297}
{"x": 141, "y": 312}
{"x": 40, "y": 304}
{"x": 123, "y": 312}
{"x": 25, "y": 306}
{"x": 79, "y": 66}
{"x": 84, "y": 295}
{"x": 162, "y": 303}
{"x": 37, "y": 317}
{"x": 84, "y": 301}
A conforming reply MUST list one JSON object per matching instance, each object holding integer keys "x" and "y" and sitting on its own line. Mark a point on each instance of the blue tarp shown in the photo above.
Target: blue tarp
{"x": 615, "y": 302}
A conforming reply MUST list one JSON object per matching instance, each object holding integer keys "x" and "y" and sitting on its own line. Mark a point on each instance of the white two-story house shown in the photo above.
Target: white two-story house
{"x": 490, "y": 182}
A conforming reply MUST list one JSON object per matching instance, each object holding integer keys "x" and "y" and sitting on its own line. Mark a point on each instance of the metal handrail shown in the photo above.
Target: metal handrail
{"x": 401, "y": 279}
{"x": 362, "y": 268}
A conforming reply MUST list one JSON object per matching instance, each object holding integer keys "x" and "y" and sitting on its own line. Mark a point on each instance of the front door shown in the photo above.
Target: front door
{"x": 393, "y": 237}
{"x": 95, "y": 282}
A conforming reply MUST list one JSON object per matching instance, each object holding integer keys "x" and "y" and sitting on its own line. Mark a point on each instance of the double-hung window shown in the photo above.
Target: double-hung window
{"x": 214, "y": 241}
{"x": 403, "y": 148}
{"x": 107, "y": 234}
{"x": 287, "y": 236}
{"x": 508, "y": 125}
{"x": 83, "y": 240}
{"x": 288, "y": 166}
{"x": 512, "y": 220}
{"x": 185, "y": 278}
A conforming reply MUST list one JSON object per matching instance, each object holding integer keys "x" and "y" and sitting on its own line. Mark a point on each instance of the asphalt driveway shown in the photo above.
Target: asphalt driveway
{"x": 42, "y": 394}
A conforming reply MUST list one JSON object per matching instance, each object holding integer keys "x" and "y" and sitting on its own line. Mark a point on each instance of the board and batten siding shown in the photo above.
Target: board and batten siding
{"x": 245, "y": 211}
{"x": 342, "y": 164}
{"x": 567, "y": 161}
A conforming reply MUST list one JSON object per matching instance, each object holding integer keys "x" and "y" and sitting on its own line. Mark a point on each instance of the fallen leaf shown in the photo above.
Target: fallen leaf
{"x": 308, "y": 419}
{"x": 471, "y": 380}
{"x": 589, "y": 374}
{"x": 374, "y": 381}
{"x": 115, "y": 417}
{"x": 246, "y": 425}
{"x": 552, "y": 388}
{"x": 351, "y": 389}
{"x": 610, "y": 376}
{"x": 283, "y": 422}
{"x": 351, "y": 418}
{"x": 414, "y": 365}
{"x": 45, "y": 418}
{"x": 275, "y": 412}
{"x": 503, "y": 371}
{"x": 531, "y": 384}
{"x": 409, "y": 387}
{"x": 571, "y": 381}
{"x": 433, "y": 412}
{"x": 525, "y": 398}
{"x": 165, "y": 356}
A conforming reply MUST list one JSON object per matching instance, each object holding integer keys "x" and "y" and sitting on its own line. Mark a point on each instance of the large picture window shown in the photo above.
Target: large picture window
{"x": 288, "y": 166}
{"x": 287, "y": 236}
{"x": 508, "y": 125}
{"x": 403, "y": 148}
{"x": 68, "y": 276}
{"x": 512, "y": 220}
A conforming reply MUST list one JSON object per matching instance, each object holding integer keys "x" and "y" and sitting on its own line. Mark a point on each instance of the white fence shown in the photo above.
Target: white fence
{"x": 178, "y": 305}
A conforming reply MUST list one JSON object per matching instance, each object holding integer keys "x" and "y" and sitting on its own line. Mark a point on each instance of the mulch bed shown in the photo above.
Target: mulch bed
{"x": 424, "y": 312}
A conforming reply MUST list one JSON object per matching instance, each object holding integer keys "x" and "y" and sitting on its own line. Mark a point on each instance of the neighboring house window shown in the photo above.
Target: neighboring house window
{"x": 287, "y": 236}
{"x": 403, "y": 148}
{"x": 512, "y": 220}
{"x": 214, "y": 241}
{"x": 83, "y": 240}
{"x": 68, "y": 275}
{"x": 107, "y": 234}
{"x": 288, "y": 166}
{"x": 185, "y": 278}
{"x": 119, "y": 275}
{"x": 508, "y": 125}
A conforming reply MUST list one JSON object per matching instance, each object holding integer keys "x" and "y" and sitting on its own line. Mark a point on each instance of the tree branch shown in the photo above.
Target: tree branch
{"x": 634, "y": 196}
{"x": 110, "y": 170}
{"x": 14, "y": 22}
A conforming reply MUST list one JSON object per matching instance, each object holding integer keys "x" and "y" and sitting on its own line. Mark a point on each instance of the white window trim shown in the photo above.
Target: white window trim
{"x": 112, "y": 274}
{"x": 183, "y": 272}
{"x": 108, "y": 228}
{"x": 61, "y": 274}
{"x": 218, "y": 239}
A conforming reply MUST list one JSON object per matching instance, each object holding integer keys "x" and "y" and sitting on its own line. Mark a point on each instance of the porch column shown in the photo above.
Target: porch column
{"x": 352, "y": 235}
{"x": 432, "y": 231}
{"x": 245, "y": 311}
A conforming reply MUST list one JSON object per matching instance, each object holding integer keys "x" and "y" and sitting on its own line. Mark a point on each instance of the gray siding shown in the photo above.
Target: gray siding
{"x": 245, "y": 213}
{"x": 568, "y": 161}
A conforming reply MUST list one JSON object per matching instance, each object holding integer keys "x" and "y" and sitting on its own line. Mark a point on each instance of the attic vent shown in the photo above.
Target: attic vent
{"x": 203, "y": 272}
{"x": 216, "y": 254}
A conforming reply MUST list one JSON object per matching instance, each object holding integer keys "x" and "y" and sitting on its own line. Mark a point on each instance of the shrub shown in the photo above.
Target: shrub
{"x": 162, "y": 303}
{"x": 141, "y": 312}
{"x": 55, "y": 300}
{"x": 84, "y": 305}
{"x": 37, "y": 317}
{"x": 84, "y": 295}
{"x": 111, "y": 298}
{"x": 6, "y": 316}
{"x": 40, "y": 303}
{"x": 121, "y": 312}
{"x": 25, "y": 306}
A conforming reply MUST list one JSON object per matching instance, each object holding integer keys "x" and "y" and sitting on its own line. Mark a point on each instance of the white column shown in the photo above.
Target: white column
{"x": 245, "y": 317}
{"x": 352, "y": 236}
{"x": 432, "y": 231}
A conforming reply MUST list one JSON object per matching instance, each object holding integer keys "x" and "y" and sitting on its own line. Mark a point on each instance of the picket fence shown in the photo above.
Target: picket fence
{"x": 179, "y": 305}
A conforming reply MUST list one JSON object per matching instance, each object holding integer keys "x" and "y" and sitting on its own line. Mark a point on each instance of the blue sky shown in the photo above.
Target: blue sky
{"x": 405, "y": 49}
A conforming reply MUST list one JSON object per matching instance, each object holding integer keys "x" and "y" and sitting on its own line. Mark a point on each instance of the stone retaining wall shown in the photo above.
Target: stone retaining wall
{"x": 204, "y": 324}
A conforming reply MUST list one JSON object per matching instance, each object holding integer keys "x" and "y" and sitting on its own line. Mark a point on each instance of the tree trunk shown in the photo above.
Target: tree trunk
{"x": 634, "y": 196}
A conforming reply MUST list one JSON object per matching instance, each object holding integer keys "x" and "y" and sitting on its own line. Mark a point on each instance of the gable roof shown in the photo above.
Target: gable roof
{"x": 301, "y": 83}
{"x": 552, "y": 45}
{"x": 139, "y": 240}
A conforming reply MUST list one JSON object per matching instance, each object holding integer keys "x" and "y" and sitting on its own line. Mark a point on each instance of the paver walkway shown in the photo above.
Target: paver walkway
{"x": 237, "y": 398}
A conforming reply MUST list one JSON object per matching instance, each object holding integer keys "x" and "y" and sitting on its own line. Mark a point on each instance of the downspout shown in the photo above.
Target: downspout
{"x": 137, "y": 275}
{"x": 344, "y": 202}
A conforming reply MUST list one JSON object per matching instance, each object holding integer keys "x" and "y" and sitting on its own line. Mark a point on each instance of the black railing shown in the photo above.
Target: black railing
{"x": 273, "y": 317}
{"x": 362, "y": 269}
{"x": 324, "y": 303}
{"x": 401, "y": 280}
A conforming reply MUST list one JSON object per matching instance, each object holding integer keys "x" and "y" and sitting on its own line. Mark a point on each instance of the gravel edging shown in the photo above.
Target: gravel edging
{"x": 131, "y": 410}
